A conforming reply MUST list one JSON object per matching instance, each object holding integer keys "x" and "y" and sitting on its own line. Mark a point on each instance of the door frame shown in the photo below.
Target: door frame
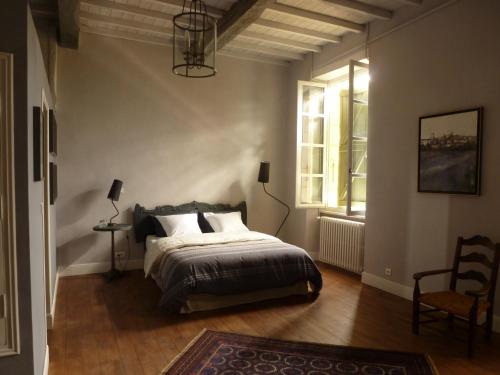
{"x": 45, "y": 111}
{"x": 7, "y": 208}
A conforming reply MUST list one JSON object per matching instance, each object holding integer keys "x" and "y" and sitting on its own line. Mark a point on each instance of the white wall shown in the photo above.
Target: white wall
{"x": 123, "y": 114}
{"x": 37, "y": 81}
{"x": 447, "y": 59}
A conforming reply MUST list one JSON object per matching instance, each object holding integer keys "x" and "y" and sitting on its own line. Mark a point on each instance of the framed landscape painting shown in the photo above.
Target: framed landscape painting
{"x": 449, "y": 158}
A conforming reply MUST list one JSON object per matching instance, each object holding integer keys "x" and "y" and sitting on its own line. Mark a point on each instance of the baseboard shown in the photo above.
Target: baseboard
{"x": 387, "y": 285}
{"x": 46, "y": 363}
{"x": 89, "y": 268}
{"x": 51, "y": 316}
{"x": 403, "y": 291}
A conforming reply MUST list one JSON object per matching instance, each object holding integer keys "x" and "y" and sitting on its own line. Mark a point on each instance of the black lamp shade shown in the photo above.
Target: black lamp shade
{"x": 264, "y": 172}
{"x": 114, "y": 192}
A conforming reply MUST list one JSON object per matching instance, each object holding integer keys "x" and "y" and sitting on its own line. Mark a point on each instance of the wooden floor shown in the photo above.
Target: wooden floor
{"x": 117, "y": 328}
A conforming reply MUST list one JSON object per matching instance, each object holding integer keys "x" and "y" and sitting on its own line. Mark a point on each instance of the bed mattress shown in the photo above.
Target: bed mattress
{"x": 224, "y": 265}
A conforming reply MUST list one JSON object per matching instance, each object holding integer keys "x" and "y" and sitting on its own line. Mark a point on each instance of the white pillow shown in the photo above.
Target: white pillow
{"x": 226, "y": 222}
{"x": 176, "y": 225}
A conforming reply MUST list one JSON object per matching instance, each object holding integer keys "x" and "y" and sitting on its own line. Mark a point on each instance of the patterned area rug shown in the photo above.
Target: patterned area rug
{"x": 218, "y": 353}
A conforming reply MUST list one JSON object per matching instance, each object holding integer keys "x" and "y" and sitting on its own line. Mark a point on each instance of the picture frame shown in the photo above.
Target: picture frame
{"x": 53, "y": 182}
{"x": 449, "y": 152}
{"x": 52, "y": 132}
{"x": 37, "y": 144}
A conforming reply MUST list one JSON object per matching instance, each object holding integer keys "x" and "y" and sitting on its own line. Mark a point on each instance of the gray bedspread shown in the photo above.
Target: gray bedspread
{"x": 233, "y": 268}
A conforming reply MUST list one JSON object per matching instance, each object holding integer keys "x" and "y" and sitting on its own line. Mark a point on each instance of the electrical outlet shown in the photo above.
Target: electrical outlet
{"x": 388, "y": 271}
{"x": 120, "y": 254}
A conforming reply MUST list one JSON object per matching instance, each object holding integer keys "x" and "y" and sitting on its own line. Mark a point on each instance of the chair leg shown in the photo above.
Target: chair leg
{"x": 451, "y": 322}
{"x": 489, "y": 324}
{"x": 472, "y": 332}
{"x": 451, "y": 318}
{"x": 416, "y": 317}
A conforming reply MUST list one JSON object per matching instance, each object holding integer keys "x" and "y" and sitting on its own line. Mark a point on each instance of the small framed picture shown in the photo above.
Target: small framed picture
{"x": 52, "y": 132}
{"x": 37, "y": 144}
{"x": 53, "y": 182}
{"x": 449, "y": 158}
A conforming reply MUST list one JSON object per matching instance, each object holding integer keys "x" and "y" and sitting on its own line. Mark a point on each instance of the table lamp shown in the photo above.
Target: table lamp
{"x": 114, "y": 196}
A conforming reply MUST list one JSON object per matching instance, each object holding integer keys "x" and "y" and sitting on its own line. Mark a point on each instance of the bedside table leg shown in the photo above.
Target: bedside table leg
{"x": 113, "y": 273}
{"x": 113, "y": 269}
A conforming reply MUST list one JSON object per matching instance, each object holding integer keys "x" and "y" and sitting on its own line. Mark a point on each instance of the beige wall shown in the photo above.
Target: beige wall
{"x": 446, "y": 60}
{"x": 123, "y": 114}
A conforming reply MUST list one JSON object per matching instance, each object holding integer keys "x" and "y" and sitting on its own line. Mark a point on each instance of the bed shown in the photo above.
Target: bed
{"x": 213, "y": 270}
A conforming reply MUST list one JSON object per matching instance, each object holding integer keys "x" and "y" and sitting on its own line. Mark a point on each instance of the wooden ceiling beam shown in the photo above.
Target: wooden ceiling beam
{"x": 318, "y": 17}
{"x": 324, "y": 37}
{"x": 283, "y": 42}
{"x": 411, "y": 2}
{"x": 244, "y": 55}
{"x": 364, "y": 8}
{"x": 69, "y": 23}
{"x": 241, "y": 15}
{"x": 128, "y": 9}
{"x": 286, "y": 55}
{"x": 109, "y": 20}
{"x": 216, "y": 12}
{"x": 103, "y": 31}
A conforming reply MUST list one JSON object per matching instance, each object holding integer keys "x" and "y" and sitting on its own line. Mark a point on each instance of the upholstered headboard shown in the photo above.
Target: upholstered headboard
{"x": 144, "y": 225}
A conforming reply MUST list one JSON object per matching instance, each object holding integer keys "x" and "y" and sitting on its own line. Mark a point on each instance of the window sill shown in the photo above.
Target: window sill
{"x": 342, "y": 215}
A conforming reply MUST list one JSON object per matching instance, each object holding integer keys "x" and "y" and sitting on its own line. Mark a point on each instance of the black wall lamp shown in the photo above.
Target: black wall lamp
{"x": 114, "y": 196}
{"x": 265, "y": 166}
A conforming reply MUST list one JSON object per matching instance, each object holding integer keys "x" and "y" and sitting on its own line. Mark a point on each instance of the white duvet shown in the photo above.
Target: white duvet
{"x": 157, "y": 246}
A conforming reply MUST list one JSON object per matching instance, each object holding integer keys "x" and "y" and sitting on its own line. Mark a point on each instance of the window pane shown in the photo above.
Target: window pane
{"x": 358, "y": 194}
{"x": 359, "y": 89}
{"x": 317, "y": 130}
{"x": 313, "y": 129}
{"x": 311, "y": 160}
{"x": 305, "y": 196}
{"x": 305, "y": 130}
{"x": 311, "y": 190}
{"x": 317, "y": 189}
{"x": 313, "y": 100}
{"x": 317, "y": 156}
{"x": 359, "y": 156}
{"x": 360, "y": 121}
{"x": 306, "y": 162}
{"x": 361, "y": 93}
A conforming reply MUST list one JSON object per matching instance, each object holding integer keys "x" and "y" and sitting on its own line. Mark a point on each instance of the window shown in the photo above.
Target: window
{"x": 332, "y": 139}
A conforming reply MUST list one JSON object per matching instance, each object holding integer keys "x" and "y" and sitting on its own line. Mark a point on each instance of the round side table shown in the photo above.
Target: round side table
{"x": 113, "y": 273}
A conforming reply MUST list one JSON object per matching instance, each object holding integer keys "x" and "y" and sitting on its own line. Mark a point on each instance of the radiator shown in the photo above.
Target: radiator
{"x": 341, "y": 243}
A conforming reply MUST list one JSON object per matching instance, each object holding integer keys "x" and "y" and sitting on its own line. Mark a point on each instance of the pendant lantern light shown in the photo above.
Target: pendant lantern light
{"x": 195, "y": 41}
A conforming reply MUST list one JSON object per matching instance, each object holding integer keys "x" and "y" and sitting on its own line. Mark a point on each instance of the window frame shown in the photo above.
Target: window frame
{"x": 350, "y": 117}
{"x": 298, "y": 172}
{"x": 340, "y": 211}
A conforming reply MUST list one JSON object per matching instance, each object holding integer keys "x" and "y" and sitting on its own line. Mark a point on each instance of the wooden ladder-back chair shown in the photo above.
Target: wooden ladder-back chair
{"x": 470, "y": 305}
